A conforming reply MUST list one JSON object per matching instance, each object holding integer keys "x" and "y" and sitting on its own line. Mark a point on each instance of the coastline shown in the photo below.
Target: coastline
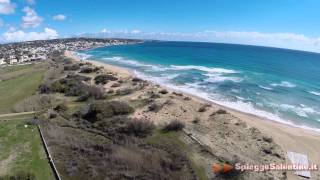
{"x": 288, "y": 137}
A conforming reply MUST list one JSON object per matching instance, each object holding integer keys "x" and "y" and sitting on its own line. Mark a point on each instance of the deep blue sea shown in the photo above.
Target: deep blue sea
{"x": 278, "y": 84}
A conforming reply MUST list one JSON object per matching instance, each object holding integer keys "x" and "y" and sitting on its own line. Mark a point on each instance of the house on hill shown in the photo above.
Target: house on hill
{"x": 2, "y": 60}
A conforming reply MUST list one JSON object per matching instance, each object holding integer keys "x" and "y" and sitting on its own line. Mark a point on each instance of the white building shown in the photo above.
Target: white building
{"x": 13, "y": 61}
{"x": 2, "y": 61}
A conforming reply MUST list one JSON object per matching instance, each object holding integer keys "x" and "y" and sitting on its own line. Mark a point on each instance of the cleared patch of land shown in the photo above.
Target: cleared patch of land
{"x": 21, "y": 149}
{"x": 18, "y": 83}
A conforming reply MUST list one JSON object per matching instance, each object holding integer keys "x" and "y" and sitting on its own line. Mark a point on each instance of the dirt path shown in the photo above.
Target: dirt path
{"x": 17, "y": 114}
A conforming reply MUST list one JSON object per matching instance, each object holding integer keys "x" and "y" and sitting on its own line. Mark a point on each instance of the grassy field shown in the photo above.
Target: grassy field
{"x": 21, "y": 149}
{"x": 17, "y": 83}
{"x": 20, "y": 144}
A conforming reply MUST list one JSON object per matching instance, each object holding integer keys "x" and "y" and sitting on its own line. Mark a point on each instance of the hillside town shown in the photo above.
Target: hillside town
{"x": 17, "y": 53}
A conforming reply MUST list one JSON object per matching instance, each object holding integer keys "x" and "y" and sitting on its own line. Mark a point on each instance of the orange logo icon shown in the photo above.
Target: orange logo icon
{"x": 221, "y": 168}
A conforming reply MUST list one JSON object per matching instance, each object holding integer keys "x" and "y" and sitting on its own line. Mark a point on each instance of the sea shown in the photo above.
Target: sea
{"x": 277, "y": 84}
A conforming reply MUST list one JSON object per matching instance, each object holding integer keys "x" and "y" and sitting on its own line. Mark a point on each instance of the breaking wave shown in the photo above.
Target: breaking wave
{"x": 284, "y": 84}
{"x": 314, "y": 93}
{"x": 266, "y": 88}
{"x": 205, "y": 69}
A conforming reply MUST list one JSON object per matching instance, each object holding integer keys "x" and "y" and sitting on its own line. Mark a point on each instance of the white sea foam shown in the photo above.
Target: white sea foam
{"x": 284, "y": 84}
{"x": 314, "y": 93}
{"x": 121, "y": 60}
{"x": 301, "y": 110}
{"x": 214, "y": 78}
{"x": 203, "y": 68}
{"x": 265, "y": 87}
{"x": 239, "y": 105}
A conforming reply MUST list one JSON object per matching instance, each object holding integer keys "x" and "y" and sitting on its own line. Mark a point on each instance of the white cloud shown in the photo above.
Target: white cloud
{"x": 31, "y": 19}
{"x": 6, "y": 7}
{"x": 281, "y": 40}
{"x": 18, "y": 36}
{"x": 105, "y": 31}
{"x": 59, "y": 17}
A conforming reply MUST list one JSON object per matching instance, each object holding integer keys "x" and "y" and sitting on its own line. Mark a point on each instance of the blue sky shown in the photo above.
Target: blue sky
{"x": 281, "y": 23}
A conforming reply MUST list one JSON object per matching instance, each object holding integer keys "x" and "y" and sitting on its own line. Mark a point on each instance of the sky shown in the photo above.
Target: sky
{"x": 293, "y": 24}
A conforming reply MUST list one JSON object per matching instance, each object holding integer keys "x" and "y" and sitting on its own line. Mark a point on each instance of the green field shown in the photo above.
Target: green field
{"x": 21, "y": 149}
{"x": 18, "y": 83}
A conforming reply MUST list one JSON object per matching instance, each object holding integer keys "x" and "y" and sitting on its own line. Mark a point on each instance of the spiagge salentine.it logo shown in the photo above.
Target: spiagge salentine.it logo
{"x": 221, "y": 168}
{"x": 224, "y": 168}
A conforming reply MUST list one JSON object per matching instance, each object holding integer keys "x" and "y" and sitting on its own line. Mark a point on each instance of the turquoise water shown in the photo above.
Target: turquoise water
{"x": 278, "y": 84}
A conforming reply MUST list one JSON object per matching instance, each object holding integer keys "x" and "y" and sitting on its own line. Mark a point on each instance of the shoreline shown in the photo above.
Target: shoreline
{"x": 289, "y": 138}
{"x": 129, "y": 73}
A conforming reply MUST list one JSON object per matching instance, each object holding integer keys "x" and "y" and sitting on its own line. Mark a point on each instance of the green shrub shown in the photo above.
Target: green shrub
{"x": 174, "y": 125}
{"x": 87, "y": 70}
{"x": 57, "y": 87}
{"x": 104, "y": 78}
{"x": 100, "y": 110}
{"x": 61, "y": 107}
{"x": 73, "y": 67}
{"x": 138, "y": 128}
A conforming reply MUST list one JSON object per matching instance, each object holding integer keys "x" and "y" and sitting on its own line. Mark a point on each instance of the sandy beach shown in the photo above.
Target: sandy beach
{"x": 288, "y": 138}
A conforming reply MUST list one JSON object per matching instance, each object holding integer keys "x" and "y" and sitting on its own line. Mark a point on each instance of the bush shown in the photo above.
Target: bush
{"x": 124, "y": 91}
{"x": 70, "y": 87}
{"x": 135, "y": 79}
{"x": 220, "y": 111}
{"x": 96, "y": 92}
{"x": 138, "y": 128}
{"x": 44, "y": 89}
{"x": 61, "y": 107}
{"x": 121, "y": 108}
{"x": 104, "y": 78}
{"x": 57, "y": 87}
{"x": 78, "y": 77}
{"x": 73, "y": 67}
{"x": 87, "y": 70}
{"x": 154, "y": 107}
{"x": 101, "y": 110}
{"x": 163, "y": 91}
{"x": 203, "y": 108}
{"x": 196, "y": 120}
{"x": 174, "y": 125}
